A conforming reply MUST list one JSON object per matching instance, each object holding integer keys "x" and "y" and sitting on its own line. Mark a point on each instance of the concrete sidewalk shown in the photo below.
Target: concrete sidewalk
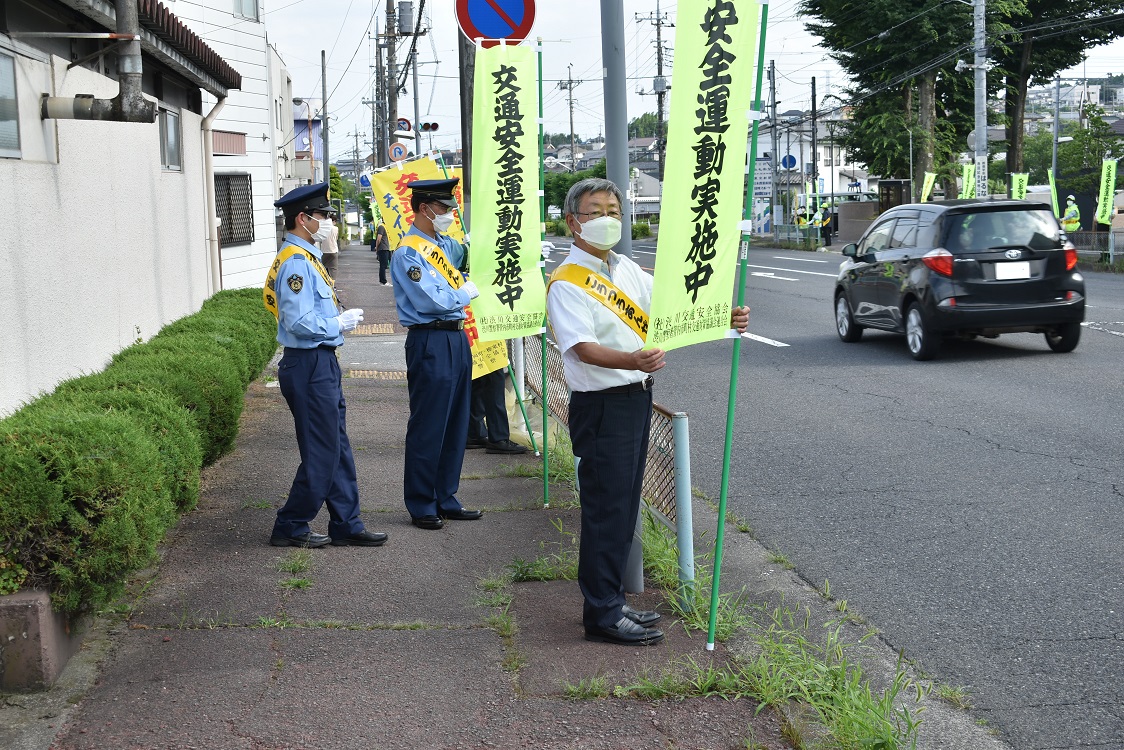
{"x": 391, "y": 647}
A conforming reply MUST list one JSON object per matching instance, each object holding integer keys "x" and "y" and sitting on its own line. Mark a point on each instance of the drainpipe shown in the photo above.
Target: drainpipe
{"x": 212, "y": 210}
{"x": 129, "y": 105}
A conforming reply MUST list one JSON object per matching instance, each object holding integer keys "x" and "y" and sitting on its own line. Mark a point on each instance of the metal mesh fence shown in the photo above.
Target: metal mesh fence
{"x": 1105, "y": 247}
{"x": 659, "y": 475}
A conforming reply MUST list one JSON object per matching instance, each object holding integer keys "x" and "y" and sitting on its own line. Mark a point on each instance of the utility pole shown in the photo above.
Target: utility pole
{"x": 1057, "y": 129}
{"x": 378, "y": 118}
{"x": 356, "y": 162}
{"x": 406, "y": 20}
{"x": 568, "y": 87}
{"x": 659, "y": 83}
{"x": 466, "y": 58}
{"x": 981, "y": 99}
{"x": 815, "y": 148}
{"x": 324, "y": 113}
{"x": 776, "y": 145}
{"x": 391, "y": 85}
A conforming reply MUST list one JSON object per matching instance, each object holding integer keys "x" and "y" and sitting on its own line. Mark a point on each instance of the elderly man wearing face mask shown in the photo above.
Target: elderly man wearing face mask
{"x": 299, "y": 291}
{"x": 430, "y": 294}
{"x": 610, "y": 414}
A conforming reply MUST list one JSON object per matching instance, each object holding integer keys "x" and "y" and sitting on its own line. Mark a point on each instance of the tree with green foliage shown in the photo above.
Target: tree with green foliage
{"x": 1041, "y": 38}
{"x": 559, "y": 183}
{"x": 644, "y": 126}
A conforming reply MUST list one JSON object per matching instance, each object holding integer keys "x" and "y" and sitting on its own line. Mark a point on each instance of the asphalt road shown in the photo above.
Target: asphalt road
{"x": 969, "y": 507}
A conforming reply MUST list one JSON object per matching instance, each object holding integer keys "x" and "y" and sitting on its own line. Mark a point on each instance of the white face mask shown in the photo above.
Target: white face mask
{"x": 603, "y": 233}
{"x": 323, "y": 229}
{"x": 442, "y": 222}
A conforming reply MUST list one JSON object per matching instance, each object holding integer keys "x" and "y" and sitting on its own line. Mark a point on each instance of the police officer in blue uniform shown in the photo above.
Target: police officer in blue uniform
{"x": 438, "y": 361}
{"x": 310, "y": 327}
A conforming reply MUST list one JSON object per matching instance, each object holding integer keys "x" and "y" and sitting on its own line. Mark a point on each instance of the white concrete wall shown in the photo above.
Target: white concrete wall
{"x": 102, "y": 246}
{"x": 242, "y": 43}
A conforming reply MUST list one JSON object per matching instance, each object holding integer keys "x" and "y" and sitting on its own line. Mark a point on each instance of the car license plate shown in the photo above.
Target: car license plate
{"x": 1018, "y": 269}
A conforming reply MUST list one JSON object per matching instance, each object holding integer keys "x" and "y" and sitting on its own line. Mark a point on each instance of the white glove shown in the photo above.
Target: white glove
{"x": 350, "y": 318}
{"x": 470, "y": 287}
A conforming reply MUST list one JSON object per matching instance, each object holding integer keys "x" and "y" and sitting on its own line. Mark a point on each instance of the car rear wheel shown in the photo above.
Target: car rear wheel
{"x": 1065, "y": 337}
{"x": 845, "y": 324}
{"x": 923, "y": 343}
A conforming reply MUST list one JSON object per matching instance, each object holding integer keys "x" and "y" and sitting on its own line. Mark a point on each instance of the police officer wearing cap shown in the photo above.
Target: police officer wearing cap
{"x": 310, "y": 326}
{"x": 430, "y": 295}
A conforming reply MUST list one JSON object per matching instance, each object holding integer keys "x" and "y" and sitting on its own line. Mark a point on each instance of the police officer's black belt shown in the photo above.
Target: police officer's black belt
{"x": 439, "y": 325}
{"x": 644, "y": 385}
{"x": 326, "y": 346}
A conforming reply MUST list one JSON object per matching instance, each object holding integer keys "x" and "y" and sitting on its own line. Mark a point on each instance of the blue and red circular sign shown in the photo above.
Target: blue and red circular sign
{"x": 493, "y": 20}
{"x": 398, "y": 151}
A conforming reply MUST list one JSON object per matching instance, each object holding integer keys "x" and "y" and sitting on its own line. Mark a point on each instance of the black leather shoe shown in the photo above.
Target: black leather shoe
{"x": 505, "y": 446}
{"x": 362, "y": 539}
{"x": 475, "y": 443}
{"x": 428, "y": 522}
{"x": 626, "y": 633}
{"x": 309, "y": 540}
{"x": 643, "y": 618}
{"x": 460, "y": 515}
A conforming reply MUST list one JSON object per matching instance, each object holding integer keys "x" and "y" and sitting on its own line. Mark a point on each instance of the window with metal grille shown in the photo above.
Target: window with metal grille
{"x": 235, "y": 206}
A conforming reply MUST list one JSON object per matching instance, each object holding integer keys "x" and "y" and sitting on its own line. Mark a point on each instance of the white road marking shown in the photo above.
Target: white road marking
{"x": 802, "y": 260}
{"x": 1101, "y": 327}
{"x": 793, "y": 270}
{"x": 764, "y": 340}
{"x": 771, "y": 276}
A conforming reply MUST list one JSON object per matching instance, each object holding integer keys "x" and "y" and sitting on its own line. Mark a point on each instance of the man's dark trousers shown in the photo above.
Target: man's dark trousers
{"x": 439, "y": 376}
{"x": 489, "y": 403}
{"x": 310, "y": 382}
{"x": 609, "y": 432}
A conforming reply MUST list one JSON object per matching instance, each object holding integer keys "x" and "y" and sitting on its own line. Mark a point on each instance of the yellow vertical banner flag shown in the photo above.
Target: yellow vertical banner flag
{"x": 392, "y": 197}
{"x": 1107, "y": 194}
{"x": 697, "y": 250}
{"x": 1019, "y": 181}
{"x": 927, "y": 185}
{"x": 1053, "y": 192}
{"x": 506, "y": 247}
{"x": 968, "y": 176}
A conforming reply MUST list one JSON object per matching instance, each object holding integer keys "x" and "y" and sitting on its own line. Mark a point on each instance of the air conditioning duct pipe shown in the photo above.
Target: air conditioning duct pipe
{"x": 129, "y": 105}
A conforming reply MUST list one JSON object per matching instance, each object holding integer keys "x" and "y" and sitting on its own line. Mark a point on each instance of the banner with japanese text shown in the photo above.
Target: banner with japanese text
{"x": 392, "y": 197}
{"x": 927, "y": 186}
{"x": 487, "y": 356}
{"x": 1053, "y": 192}
{"x": 968, "y": 178}
{"x": 700, "y": 229}
{"x": 506, "y": 245}
{"x": 1019, "y": 181}
{"x": 1107, "y": 194}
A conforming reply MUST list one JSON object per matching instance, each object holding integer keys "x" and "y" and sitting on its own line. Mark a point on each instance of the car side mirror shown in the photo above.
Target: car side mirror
{"x": 851, "y": 250}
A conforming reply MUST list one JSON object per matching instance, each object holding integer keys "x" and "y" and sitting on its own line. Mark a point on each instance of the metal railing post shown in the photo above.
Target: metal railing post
{"x": 684, "y": 523}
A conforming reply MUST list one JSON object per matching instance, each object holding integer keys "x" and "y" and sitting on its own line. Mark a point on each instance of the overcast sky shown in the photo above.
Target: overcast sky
{"x": 571, "y": 33}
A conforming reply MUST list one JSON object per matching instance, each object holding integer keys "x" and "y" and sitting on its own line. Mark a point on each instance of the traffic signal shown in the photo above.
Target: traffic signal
{"x": 429, "y": 127}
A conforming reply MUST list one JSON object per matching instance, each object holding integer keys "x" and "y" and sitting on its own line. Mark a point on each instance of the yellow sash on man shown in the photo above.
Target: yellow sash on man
{"x": 436, "y": 257}
{"x": 605, "y": 292}
{"x": 268, "y": 292}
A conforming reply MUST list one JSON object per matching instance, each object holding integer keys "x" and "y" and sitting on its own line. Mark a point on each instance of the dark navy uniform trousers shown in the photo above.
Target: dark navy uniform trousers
{"x": 609, "y": 432}
{"x": 439, "y": 376}
{"x": 489, "y": 403}
{"x": 310, "y": 382}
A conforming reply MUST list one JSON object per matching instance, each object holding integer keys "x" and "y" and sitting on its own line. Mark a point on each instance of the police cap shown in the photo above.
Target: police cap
{"x": 435, "y": 191}
{"x": 305, "y": 199}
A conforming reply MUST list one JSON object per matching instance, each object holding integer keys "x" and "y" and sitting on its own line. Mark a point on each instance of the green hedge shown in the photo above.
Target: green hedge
{"x": 92, "y": 475}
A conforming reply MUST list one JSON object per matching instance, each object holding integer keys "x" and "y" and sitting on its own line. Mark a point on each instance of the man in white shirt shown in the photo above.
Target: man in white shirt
{"x": 330, "y": 248}
{"x": 609, "y": 376}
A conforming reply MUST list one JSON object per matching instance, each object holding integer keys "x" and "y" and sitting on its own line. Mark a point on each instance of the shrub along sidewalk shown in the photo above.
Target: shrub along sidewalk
{"x": 94, "y": 474}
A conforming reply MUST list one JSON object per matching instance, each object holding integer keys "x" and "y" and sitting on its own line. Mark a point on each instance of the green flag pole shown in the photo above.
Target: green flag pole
{"x": 742, "y": 273}
{"x": 542, "y": 336}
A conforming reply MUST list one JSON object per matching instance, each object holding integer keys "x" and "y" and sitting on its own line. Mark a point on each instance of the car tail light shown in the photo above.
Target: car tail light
{"x": 939, "y": 261}
{"x": 1070, "y": 256}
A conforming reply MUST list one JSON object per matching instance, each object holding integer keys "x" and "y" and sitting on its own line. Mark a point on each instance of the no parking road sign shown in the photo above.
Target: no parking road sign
{"x": 493, "y": 20}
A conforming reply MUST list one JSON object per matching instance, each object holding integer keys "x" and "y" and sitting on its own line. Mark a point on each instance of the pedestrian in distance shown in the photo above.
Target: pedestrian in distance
{"x": 610, "y": 412}
{"x": 488, "y": 426}
{"x": 430, "y": 295}
{"x": 380, "y": 243}
{"x": 330, "y": 248}
{"x": 310, "y": 327}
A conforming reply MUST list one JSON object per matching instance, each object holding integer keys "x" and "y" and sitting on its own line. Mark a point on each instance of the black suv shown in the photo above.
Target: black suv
{"x": 962, "y": 267}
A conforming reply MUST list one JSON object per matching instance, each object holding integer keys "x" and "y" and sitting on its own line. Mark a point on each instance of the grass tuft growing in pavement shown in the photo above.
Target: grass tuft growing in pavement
{"x": 587, "y": 688}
